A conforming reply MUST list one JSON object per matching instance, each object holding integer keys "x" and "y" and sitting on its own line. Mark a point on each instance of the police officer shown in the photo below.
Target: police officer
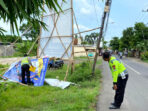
{"x": 120, "y": 77}
{"x": 25, "y": 65}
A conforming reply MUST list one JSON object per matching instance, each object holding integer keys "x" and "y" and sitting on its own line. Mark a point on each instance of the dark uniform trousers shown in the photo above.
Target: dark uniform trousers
{"x": 25, "y": 71}
{"x": 119, "y": 94}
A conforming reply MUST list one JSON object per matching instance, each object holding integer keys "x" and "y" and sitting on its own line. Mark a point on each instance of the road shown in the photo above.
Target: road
{"x": 136, "y": 94}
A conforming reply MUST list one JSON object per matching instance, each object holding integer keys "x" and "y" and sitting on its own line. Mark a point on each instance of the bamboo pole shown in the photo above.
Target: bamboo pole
{"x": 70, "y": 62}
{"x": 14, "y": 81}
{"x": 49, "y": 37}
{"x": 60, "y": 39}
{"x": 22, "y": 34}
{"x": 32, "y": 46}
{"x": 72, "y": 13}
{"x": 51, "y": 32}
{"x": 87, "y": 30}
{"x": 56, "y": 13}
{"x": 56, "y": 36}
{"x": 74, "y": 33}
{"x": 81, "y": 36}
{"x": 66, "y": 50}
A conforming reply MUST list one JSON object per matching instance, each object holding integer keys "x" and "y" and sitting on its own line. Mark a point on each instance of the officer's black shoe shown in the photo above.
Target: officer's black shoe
{"x": 114, "y": 107}
{"x": 112, "y": 103}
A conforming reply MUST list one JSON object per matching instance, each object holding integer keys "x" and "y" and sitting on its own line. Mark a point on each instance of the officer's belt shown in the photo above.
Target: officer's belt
{"x": 125, "y": 72}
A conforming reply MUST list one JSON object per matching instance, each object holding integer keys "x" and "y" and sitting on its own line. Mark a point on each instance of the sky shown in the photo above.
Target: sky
{"x": 124, "y": 13}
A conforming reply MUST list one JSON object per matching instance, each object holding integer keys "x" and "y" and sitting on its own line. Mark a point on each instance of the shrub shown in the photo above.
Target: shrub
{"x": 24, "y": 47}
{"x": 82, "y": 72}
{"x": 130, "y": 54}
{"x": 144, "y": 56}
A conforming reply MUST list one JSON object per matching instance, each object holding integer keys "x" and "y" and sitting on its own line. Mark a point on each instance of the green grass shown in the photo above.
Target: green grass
{"x": 81, "y": 97}
{"x": 3, "y": 68}
{"x": 82, "y": 57}
{"x": 145, "y": 61}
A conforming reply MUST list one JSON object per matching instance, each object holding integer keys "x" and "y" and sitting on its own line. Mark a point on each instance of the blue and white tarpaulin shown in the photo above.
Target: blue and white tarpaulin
{"x": 37, "y": 77}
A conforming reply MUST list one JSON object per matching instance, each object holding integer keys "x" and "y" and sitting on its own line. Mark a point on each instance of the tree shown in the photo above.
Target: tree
{"x": 114, "y": 43}
{"x": 127, "y": 40}
{"x": 10, "y": 38}
{"x": 32, "y": 33}
{"x": 133, "y": 38}
{"x": 105, "y": 45}
{"x": 29, "y": 10}
{"x": 141, "y": 34}
{"x": 92, "y": 38}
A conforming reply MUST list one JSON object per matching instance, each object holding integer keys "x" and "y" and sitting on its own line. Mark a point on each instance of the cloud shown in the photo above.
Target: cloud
{"x": 87, "y": 7}
{"x": 85, "y": 11}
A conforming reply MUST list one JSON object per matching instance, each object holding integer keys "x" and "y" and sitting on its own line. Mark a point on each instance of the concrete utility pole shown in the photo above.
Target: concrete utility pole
{"x": 106, "y": 10}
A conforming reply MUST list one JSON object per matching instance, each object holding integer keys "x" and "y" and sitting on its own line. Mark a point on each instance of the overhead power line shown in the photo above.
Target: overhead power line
{"x": 95, "y": 12}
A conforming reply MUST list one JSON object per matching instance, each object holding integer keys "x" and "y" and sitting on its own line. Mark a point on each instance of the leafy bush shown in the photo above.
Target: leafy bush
{"x": 82, "y": 73}
{"x": 24, "y": 47}
{"x": 10, "y": 38}
{"x": 130, "y": 54}
{"x": 2, "y": 66}
{"x": 144, "y": 56}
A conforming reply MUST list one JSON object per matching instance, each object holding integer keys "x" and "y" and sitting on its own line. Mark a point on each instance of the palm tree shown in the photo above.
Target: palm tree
{"x": 29, "y": 10}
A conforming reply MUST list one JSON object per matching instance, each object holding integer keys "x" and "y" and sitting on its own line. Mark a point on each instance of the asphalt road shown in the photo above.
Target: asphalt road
{"x": 136, "y": 94}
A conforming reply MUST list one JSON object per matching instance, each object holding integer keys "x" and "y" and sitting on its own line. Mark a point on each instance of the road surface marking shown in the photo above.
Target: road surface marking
{"x": 133, "y": 69}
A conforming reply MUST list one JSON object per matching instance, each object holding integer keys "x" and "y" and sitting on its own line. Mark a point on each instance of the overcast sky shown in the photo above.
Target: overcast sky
{"x": 124, "y": 13}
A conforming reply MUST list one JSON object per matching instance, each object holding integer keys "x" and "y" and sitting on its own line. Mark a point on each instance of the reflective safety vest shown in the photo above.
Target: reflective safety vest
{"x": 116, "y": 67}
{"x": 25, "y": 61}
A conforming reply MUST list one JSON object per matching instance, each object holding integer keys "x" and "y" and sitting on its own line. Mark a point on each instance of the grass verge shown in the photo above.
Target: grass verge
{"x": 145, "y": 61}
{"x": 3, "y": 68}
{"x": 81, "y": 97}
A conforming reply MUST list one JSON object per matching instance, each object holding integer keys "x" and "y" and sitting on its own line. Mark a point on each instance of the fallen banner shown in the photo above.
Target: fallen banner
{"x": 37, "y": 77}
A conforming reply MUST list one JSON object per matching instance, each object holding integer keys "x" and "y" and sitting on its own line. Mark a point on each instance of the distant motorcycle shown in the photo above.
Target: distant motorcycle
{"x": 120, "y": 57}
{"x": 55, "y": 64}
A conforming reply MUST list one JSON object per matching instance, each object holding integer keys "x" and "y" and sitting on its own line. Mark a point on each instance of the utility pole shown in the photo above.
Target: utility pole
{"x": 106, "y": 10}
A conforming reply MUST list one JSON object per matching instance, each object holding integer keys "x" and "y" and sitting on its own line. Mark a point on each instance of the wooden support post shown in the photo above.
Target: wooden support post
{"x": 72, "y": 13}
{"x": 80, "y": 36}
{"x": 66, "y": 50}
{"x": 14, "y": 81}
{"x": 60, "y": 38}
{"x": 87, "y": 30}
{"x": 68, "y": 68}
{"x": 32, "y": 46}
{"x": 22, "y": 34}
